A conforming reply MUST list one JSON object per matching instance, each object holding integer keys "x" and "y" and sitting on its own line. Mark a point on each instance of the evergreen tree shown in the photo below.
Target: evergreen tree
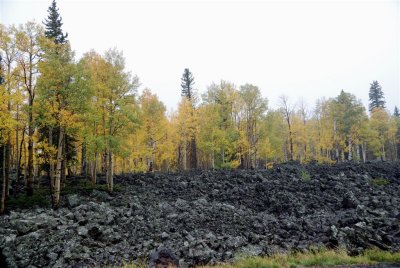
{"x": 1, "y": 71}
{"x": 396, "y": 112}
{"x": 53, "y": 25}
{"x": 396, "y": 115}
{"x": 187, "y": 84}
{"x": 376, "y": 97}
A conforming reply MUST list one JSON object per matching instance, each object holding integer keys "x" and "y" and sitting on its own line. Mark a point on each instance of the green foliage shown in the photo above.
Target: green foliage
{"x": 139, "y": 263}
{"x": 396, "y": 112}
{"x": 46, "y": 95}
{"x": 40, "y": 198}
{"x": 377, "y": 255}
{"x": 228, "y": 165}
{"x": 1, "y": 71}
{"x": 348, "y": 112}
{"x": 85, "y": 187}
{"x": 187, "y": 82}
{"x": 305, "y": 176}
{"x": 53, "y": 25}
{"x": 380, "y": 182}
{"x": 376, "y": 97}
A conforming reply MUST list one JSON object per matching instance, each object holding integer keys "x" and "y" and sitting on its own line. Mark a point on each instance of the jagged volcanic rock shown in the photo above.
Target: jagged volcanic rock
{"x": 212, "y": 216}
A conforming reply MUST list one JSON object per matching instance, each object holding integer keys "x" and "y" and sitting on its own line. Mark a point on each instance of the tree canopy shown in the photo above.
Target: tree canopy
{"x": 53, "y": 25}
{"x": 376, "y": 96}
{"x": 62, "y": 116}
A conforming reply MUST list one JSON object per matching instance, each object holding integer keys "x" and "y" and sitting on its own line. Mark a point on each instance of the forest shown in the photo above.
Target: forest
{"x": 61, "y": 116}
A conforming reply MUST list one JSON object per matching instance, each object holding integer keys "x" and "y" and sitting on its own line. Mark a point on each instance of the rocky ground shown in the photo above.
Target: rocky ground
{"x": 212, "y": 216}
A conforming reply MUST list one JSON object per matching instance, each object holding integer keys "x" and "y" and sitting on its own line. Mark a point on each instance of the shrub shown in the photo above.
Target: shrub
{"x": 380, "y": 182}
{"x": 41, "y": 198}
{"x": 305, "y": 176}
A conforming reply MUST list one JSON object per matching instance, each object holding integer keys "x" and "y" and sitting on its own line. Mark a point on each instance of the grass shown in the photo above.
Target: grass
{"x": 305, "y": 176}
{"x": 380, "y": 182}
{"x": 141, "y": 263}
{"x": 324, "y": 258}
{"x": 383, "y": 256}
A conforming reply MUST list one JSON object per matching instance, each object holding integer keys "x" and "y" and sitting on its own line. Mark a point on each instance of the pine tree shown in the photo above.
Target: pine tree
{"x": 396, "y": 112}
{"x": 1, "y": 71}
{"x": 376, "y": 96}
{"x": 53, "y": 25}
{"x": 187, "y": 84}
{"x": 396, "y": 115}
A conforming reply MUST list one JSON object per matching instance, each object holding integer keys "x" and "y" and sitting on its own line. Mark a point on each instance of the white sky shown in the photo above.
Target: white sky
{"x": 304, "y": 49}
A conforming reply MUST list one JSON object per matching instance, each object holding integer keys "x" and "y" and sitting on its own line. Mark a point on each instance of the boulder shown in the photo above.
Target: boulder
{"x": 350, "y": 201}
{"x": 162, "y": 258}
{"x": 73, "y": 200}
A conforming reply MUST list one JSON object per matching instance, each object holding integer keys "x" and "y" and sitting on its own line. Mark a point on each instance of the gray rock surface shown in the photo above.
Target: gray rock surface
{"x": 208, "y": 217}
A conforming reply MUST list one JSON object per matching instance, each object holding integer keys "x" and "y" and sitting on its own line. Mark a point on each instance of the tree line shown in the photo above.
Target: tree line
{"x": 61, "y": 116}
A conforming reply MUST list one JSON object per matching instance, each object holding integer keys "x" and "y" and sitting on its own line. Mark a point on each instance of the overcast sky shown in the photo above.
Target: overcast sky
{"x": 303, "y": 49}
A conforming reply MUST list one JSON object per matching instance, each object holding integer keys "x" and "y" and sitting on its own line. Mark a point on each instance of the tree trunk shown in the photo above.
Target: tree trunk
{"x": 290, "y": 142}
{"x": 291, "y": 146}
{"x": 284, "y": 149}
{"x": 193, "y": 153}
{"x": 64, "y": 160}
{"x": 350, "y": 148}
{"x": 57, "y": 179}
{"x": 104, "y": 162}
{"x": 84, "y": 163}
{"x": 17, "y": 151}
{"x": 7, "y": 158}
{"x": 3, "y": 194}
{"x": 51, "y": 159}
{"x": 19, "y": 161}
{"x": 335, "y": 141}
{"x": 94, "y": 170}
{"x": 248, "y": 158}
{"x": 255, "y": 157}
{"x": 25, "y": 167}
{"x": 110, "y": 180}
{"x": 179, "y": 157}
{"x": 7, "y": 168}
{"x": 184, "y": 155}
{"x": 364, "y": 151}
{"x": 29, "y": 184}
{"x": 107, "y": 170}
